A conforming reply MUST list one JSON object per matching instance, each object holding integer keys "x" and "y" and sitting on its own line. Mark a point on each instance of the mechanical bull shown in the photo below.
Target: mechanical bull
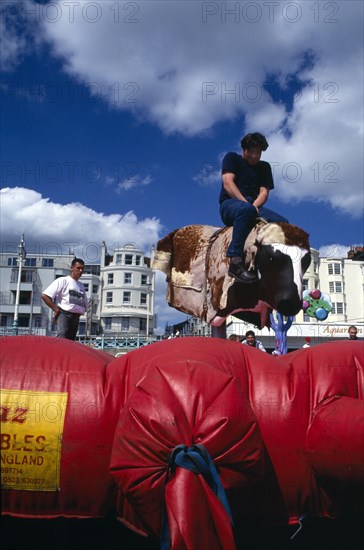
{"x": 187, "y": 438}
{"x": 195, "y": 263}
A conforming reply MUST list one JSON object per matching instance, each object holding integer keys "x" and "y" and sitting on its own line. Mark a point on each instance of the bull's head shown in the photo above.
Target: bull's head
{"x": 281, "y": 269}
{"x": 281, "y": 266}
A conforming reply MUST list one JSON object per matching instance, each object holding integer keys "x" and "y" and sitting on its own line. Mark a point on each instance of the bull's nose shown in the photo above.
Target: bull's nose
{"x": 289, "y": 306}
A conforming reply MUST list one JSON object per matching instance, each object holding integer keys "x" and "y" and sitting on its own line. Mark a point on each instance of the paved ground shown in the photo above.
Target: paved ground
{"x": 108, "y": 534}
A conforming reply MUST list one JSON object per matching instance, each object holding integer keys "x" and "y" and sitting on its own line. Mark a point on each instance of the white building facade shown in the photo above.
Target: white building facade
{"x": 127, "y": 291}
{"x": 120, "y": 291}
{"x": 343, "y": 280}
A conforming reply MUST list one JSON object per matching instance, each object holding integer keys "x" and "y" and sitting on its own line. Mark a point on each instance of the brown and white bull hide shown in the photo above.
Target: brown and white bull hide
{"x": 195, "y": 263}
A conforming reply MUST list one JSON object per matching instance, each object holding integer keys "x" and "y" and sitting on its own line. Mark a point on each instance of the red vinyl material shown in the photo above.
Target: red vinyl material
{"x": 285, "y": 434}
{"x": 40, "y": 364}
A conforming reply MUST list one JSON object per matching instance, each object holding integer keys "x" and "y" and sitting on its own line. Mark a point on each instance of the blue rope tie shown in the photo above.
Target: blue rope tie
{"x": 197, "y": 460}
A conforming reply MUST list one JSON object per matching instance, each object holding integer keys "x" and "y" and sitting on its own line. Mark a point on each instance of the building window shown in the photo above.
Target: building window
{"x": 38, "y": 322}
{"x": 142, "y": 325}
{"x": 47, "y": 262}
{"x": 125, "y": 323}
{"x": 144, "y": 280}
{"x": 107, "y": 322}
{"x": 25, "y": 297}
{"x": 126, "y": 297}
{"x": 127, "y": 278}
{"x": 337, "y": 308}
{"x": 12, "y": 262}
{"x": 94, "y": 309}
{"x": 137, "y": 260}
{"x": 91, "y": 269}
{"x": 23, "y": 321}
{"x": 143, "y": 299}
{"x": 86, "y": 286}
{"x": 128, "y": 259}
{"x": 109, "y": 297}
{"x": 4, "y": 321}
{"x": 95, "y": 289}
{"x": 30, "y": 262}
{"x": 334, "y": 269}
{"x": 110, "y": 278}
{"x": 305, "y": 284}
{"x": 335, "y": 286}
{"x": 118, "y": 258}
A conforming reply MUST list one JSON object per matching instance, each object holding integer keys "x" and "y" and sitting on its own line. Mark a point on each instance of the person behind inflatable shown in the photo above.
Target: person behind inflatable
{"x": 66, "y": 296}
{"x": 251, "y": 341}
{"x": 234, "y": 338}
{"x": 353, "y": 333}
{"x": 307, "y": 343}
{"x": 246, "y": 183}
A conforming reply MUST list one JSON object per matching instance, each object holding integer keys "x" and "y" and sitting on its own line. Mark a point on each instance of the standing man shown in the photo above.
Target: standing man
{"x": 66, "y": 296}
{"x": 252, "y": 342}
{"x": 246, "y": 182}
{"x": 353, "y": 333}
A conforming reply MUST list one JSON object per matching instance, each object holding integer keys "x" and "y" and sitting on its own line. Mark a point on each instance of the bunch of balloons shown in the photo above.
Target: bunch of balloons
{"x": 316, "y": 304}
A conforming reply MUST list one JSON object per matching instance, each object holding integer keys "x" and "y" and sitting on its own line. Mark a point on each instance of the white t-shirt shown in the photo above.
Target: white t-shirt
{"x": 258, "y": 344}
{"x": 68, "y": 294}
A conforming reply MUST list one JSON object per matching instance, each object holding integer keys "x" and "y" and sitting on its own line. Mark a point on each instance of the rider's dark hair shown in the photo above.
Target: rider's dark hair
{"x": 254, "y": 140}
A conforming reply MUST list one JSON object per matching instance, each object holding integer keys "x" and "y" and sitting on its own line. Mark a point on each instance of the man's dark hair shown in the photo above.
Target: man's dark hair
{"x": 250, "y": 333}
{"x": 254, "y": 140}
{"x": 77, "y": 261}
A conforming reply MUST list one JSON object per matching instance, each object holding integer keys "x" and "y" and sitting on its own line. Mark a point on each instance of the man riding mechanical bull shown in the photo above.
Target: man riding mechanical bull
{"x": 252, "y": 265}
{"x": 246, "y": 182}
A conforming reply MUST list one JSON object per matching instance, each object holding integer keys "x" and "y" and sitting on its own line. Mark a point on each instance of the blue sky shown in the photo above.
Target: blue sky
{"x": 116, "y": 115}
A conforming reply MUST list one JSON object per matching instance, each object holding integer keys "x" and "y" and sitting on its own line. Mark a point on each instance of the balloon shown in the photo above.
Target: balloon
{"x": 321, "y": 314}
{"x": 316, "y": 304}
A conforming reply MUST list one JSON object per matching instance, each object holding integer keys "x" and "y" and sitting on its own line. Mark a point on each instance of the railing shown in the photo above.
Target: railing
{"x": 122, "y": 342}
{"x": 23, "y": 331}
{"x": 126, "y": 343}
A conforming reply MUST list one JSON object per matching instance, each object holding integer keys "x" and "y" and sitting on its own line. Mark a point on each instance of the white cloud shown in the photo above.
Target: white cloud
{"x": 334, "y": 250}
{"x": 321, "y": 159}
{"x": 186, "y": 66}
{"x": 133, "y": 182}
{"x": 12, "y": 42}
{"x": 48, "y": 225}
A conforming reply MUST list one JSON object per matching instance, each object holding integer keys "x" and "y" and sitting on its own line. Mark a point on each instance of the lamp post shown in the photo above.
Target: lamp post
{"x": 21, "y": 259}
{"x": 148, "y": 306}
{"x": 150, "y": 288}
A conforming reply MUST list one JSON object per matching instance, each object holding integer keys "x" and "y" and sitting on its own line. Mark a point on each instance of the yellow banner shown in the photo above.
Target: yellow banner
{"x": 31, "y": 439}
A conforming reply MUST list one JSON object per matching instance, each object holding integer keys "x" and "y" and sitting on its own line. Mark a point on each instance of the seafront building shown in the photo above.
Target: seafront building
{"x": 120, "y": 290}
{"x": 343, "y": 280}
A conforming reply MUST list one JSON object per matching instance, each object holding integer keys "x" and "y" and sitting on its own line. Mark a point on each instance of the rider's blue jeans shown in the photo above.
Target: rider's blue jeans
{"x": 241, "y": 216}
